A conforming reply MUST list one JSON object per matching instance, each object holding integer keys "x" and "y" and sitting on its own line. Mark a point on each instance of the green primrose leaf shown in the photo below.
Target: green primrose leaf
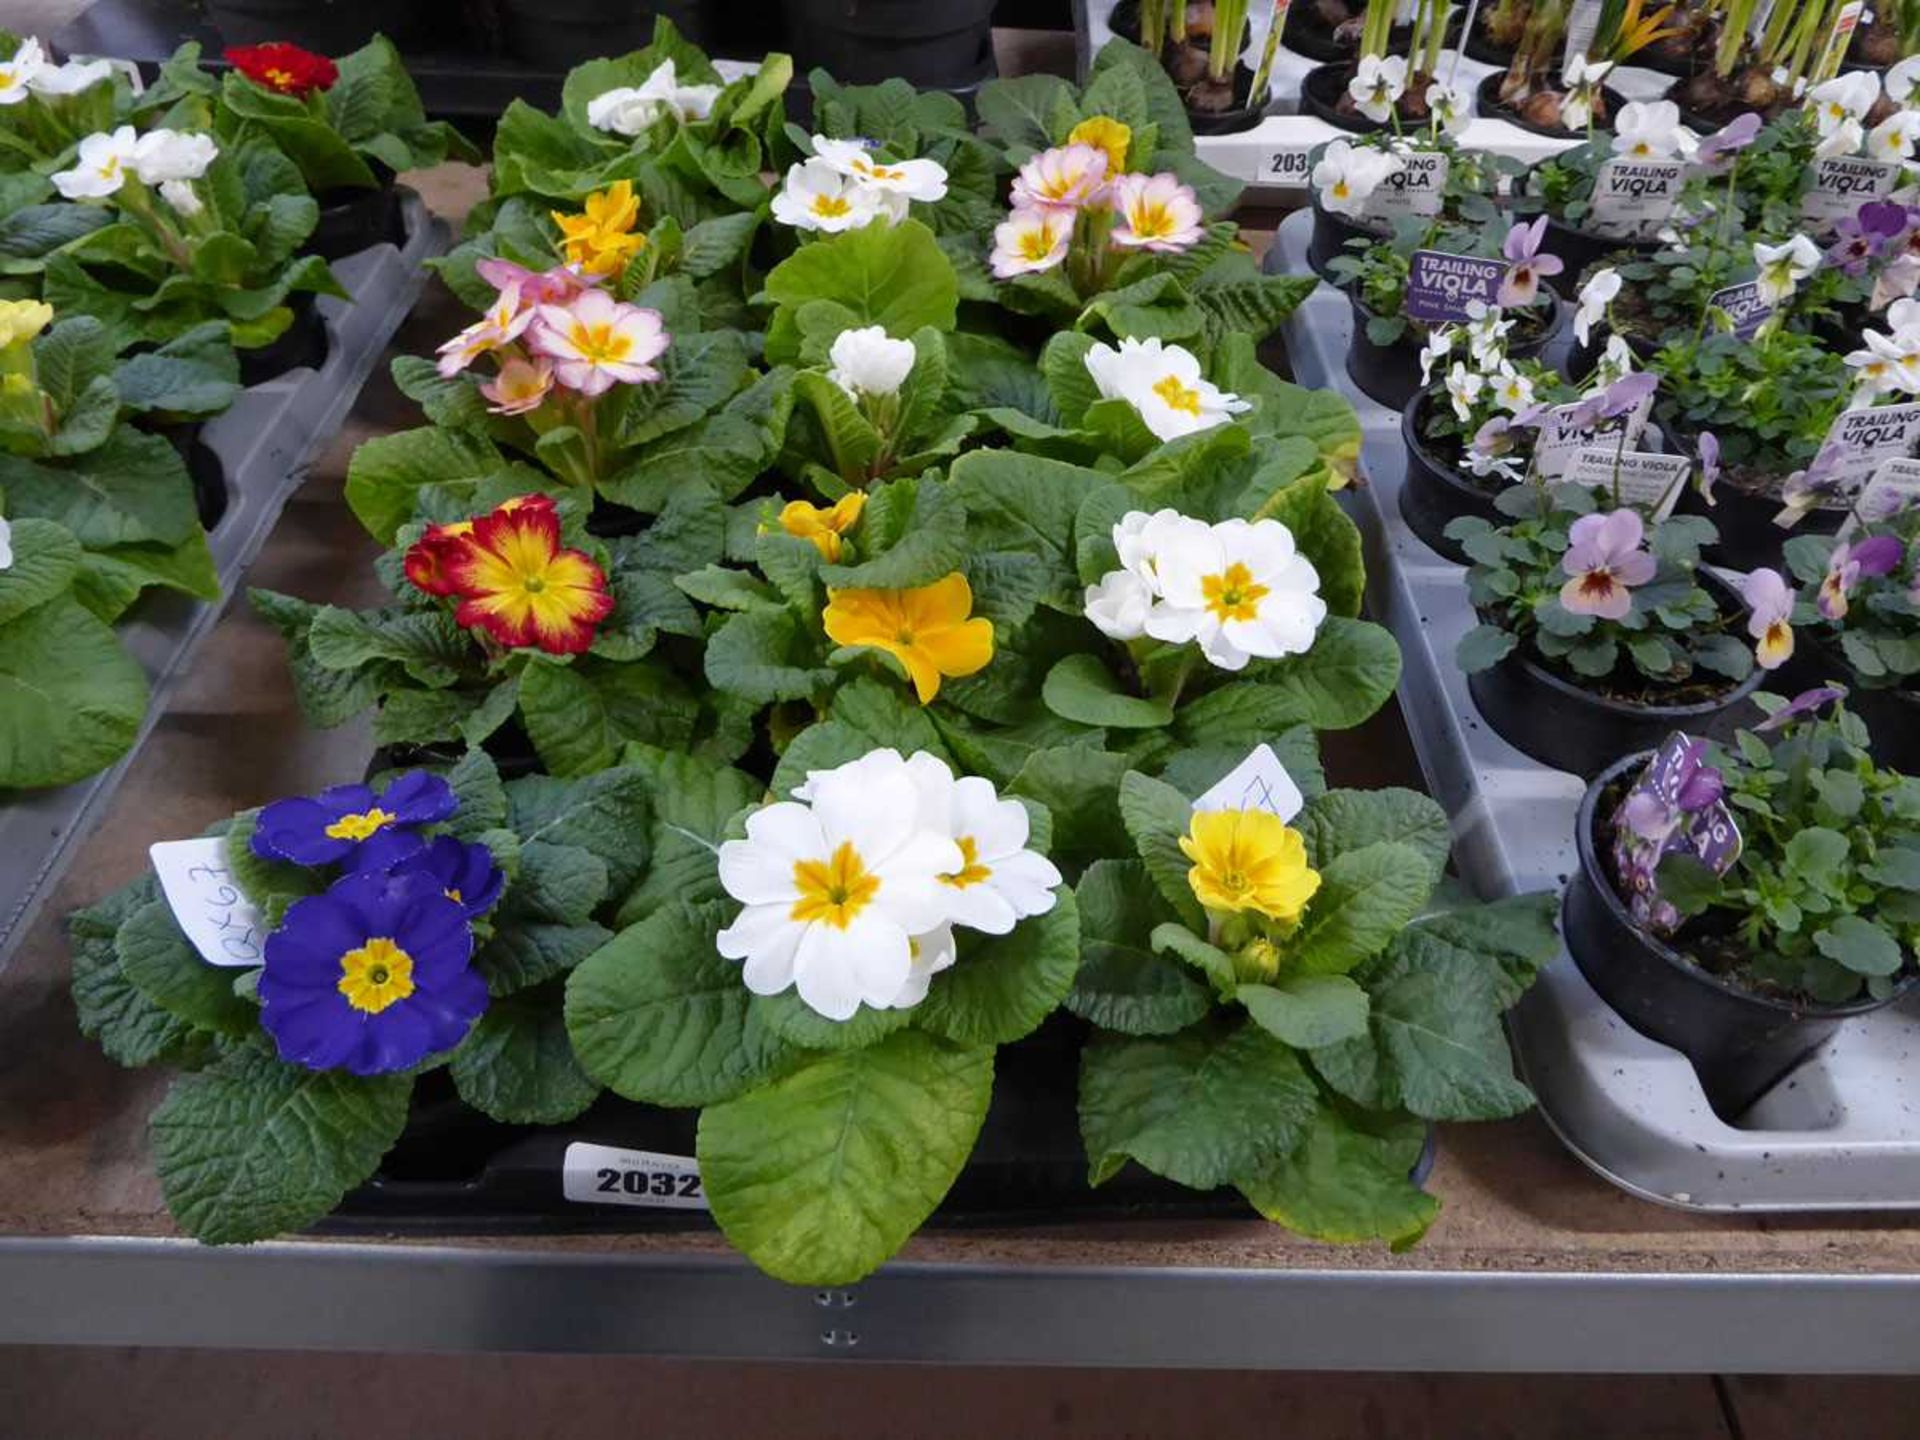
{"x": 1002, "y": 986}
{"x": 1080, "y": 688}
{"x": 1123, "y": 984}
{"x": 1157, "y": 816}
{"x": 1366, "y": 898}
{"x": 1307, "y": 1011}
{"x": 1345, "y": 1184}
{"x": 517, "y": 1065}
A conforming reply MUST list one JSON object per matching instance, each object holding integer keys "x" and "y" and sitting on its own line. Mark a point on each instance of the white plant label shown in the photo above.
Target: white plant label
{"x": 217, "y": 917}
{"x": 1418, "y": 188}
{"x": 1259, "y": 782}
{"x": 1870, "y": 437}
{"x": 1648, "y": 482}
{"x": 1583, "y": 22}
{"x": 1560, "y": 440}
{"x": 1890, "y": 489}
{"x": 1632, "y": 199}
{"x": 1842, "y": 184}
{"x": 1288, "y": 165}
{"x": 607, "y": 1175}
{"x": 1844, "y": 24}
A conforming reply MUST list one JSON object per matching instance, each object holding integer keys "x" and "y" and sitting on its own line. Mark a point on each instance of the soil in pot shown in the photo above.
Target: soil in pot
{"x": 1492, "y": 106}
{"x": 356, "y": 220}
{"x": 302, "y": 343}
{"x": 1437, "y": 491}
{"x": 1745, "y": 500}
{"x": 1391, "y": 373}
{"x": 1741, "y": 1042}
{"x": 1581, "y": 724}
{"x": 862, "y": 42}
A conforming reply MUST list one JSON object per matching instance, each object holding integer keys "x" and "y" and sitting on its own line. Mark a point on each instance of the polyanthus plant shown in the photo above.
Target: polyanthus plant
{"x": 46, "y": 108}
{"x": 876, "y": 410}
{"x": 375, "y": 932}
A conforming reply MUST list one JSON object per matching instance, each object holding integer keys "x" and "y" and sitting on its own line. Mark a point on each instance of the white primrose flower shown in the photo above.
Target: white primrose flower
{"x": 1439, "y": 345}
{"x": 922, "y": 180}
{"x": 1463, "y": 389}
{"x": 101, "y": 165}
{"x": 179, "y": 194}
{"x": 1783, "y": 267}
{"x": 868, "y": 361}
{"x": 1512, "y": 391}
{"x": 1595, "y": 296}
{"x": 1843, "y": 140}
{"x": 1030, "y": 240}
{"x": 19, "y": 73}
{"x": 6, "y": 544}
{"x": 70, "y": 78}
{"x": 1647, "y": 130}
{"x": 1347, "y": 175}
{"x": 1119, "y": 604}
{"x": 835, "y": 889}
{"x": 1616, "y": 361}
{"x": 1001, "y": 882}
{"x": 1163, "y": 382}
{"x": 1378, "y": 85}
{"x": 1892, "y": 139}
{"x": 163, "y": 155}
{"x": 1844, "y": 98}
{"x": 630, "y": 110}
{"x": 1582, "y": 78}
{"x": 1451, "y": 106}
{"x": 1902, "y": 83}
{"x": 1239, "y": 589}
{"x": 818, "y": 197}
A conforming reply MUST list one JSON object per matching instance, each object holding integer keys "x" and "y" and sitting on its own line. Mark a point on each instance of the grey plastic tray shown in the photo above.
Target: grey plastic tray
{"x": 1840, "y": 1133}
{"x": 265, "y": 442}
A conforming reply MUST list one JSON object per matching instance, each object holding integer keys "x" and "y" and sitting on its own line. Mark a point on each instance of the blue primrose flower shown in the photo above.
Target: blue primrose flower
{"x": 466, "y": 874}
{"x": 373, "y": 976}
{"x": 351, "y": 825}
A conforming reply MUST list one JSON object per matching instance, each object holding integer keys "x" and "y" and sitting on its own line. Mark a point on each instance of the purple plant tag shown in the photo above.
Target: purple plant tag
{"x": 1441, "y": 286}
{"x": 1674, "y": 806}
{"x": 1744, "y": 305}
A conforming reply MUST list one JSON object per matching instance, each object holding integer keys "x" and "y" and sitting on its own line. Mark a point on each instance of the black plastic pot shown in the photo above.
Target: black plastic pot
{"x": 1435, "y": 494}
{"x": 610, "y": 521}
{"x": 356, "y": 220}
{"x": 1748, "y": 537}
{"x": 1559, "y": 724}
{"x": 1331, "y": 233}
{"x": 1391, "y": 373}
{"x": 1740, "y": 1044}
{"x": 1320, "y": 92}
{"x": 332, "y": 27}
{"x": 1478, "y": 47}
{"x": 1489, "y": 105}
{"x": 560, "y": 34}
{"x": 512, "y": 751}
{"x": 1581, "y": 248}
{"x": 935, "y": 44}
{"x": 1243, "y": 115}
{"x": 1892, "y": 714}
{"x": 303, "y": 342}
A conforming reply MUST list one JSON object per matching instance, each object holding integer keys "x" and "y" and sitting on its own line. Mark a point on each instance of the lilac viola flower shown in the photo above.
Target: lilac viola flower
{"x": 1729, "y": 140}
{"x": 1770, "y": 599}
{"x": 1805, "y": 489}
{"x": 1526, "y": 266}
{"x": 1805, "y": 703}
{"x": 1604, "y": 562}
{"x": 1709, "y": 465}
{"x": 1848, "y": 565}
{"x": 351, "y": 825}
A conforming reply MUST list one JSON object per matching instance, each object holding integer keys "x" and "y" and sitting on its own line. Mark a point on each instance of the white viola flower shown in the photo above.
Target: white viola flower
{"x": 1346, "y": 176}
{"x": 1451, "y": 106}
{"x": 1439, "y": 345}
{"x": 1845, "y": 97}
{"x": 818, "y": 197}
{"x": 1783, "y": 267}
{"x": 1616, "y": 361}
{"x": 1648, "y": 130}
{"x": 999, "y": 882}
{"x": 1877, "y": 367}
{"x": 1463, "y": 389}
{"x": 835, "y": 889}
{"x": 163, "y": 155}
{"x": 1511, "y": 390}
{"x": 922, "y": 180}
{"x": 1155, "y": 212}
{"x": 1119, "y": 604}
{"x": 1066, "y": 177}
{"x": 1902, "y": 84}
{"x": 1486, "y": 333}
{"x": 179, "y": 194}
{"x": 1595, "y": 296}
{"x": 18, "y": 74}
{"x": 6, "y": 544}
{"x": 1843, "y": 140}
{"x": 1892, "y": 139}
{"x": 1377, "y": 85}
{"x": 868, "y": 361}
{"x": 1163, "y": 382}
{"x": 100, "y": 167}
{"x": 1579, "y": 70}
{"x": 1240, "y": 590}
{"x": 70, "y": 78}
{"x": 1581, "y": 78}
{"x": 1030, "y": 240}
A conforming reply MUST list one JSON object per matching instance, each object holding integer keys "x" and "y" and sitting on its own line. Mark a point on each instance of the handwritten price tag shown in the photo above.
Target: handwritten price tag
{"x": 607, "y": 1175}
{"x": 220, "y": 921}
{"x": 1259, "y": 782}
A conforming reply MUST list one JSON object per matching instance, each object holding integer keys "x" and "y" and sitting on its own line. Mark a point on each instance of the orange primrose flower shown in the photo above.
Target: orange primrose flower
{"x": 599, "y": 240}
{"x": 926, "y": 629}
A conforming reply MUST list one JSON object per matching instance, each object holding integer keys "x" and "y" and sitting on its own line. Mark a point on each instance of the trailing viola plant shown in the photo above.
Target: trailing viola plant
{"x": 1403, "y": 91}
{"x": 1617, "y": 191}
{"x": 372, "y": 938}
{"x": 1481, "y": 410}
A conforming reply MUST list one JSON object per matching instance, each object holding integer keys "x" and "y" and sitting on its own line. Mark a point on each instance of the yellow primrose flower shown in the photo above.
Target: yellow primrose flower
{"x": 824, "y": 527}
{"x": 22, "y": 320}
{"x": 926, "y": 628}
{"x": 600, "y": 240}
{"x": 1249, "y": 860}
{"x": 1103, "y": 132}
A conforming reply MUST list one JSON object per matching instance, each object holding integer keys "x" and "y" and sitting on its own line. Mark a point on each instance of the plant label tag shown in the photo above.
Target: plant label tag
{"x": 1868, "y": 438}
{"x": 1743, "y": 306}
{"x": 1648, "y": 482}
{"x": 1440, "y": 286}
{"x": 1416, "y": 189}
{"x": 1583, "y": 22}
{"x": 1562, "y": 438}
{"x": 1259, "y": 782}
{"x": 607, "y": 1175}
{"x": 213, "y": 911}
{"x": 1667, "y": 810}
{"x": 1892, "y": 487}
{"x": 1844, "y": 24}
{"x": 1842, "y": 184}
{"x": 1632, "y": 199}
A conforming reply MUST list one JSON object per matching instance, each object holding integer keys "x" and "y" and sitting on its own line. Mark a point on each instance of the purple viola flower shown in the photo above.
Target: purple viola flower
{"x": 1709, "y": 465}
{"x": 351, "y": 825}
{"x": 466, "y": 874}
{"x": 1770, "y": 600}
{"x": 1729, "y": 140}
{"x": 1805, "y": 489}
{"x": 1849, "y": 564}
{"x": 1530, "y": 417}
{"x": 371, "y": 977}
{"x": 1526, "y": 266}
{"x": 1805, "y": 703}
{"x": 1604, "y": 562}
{"x": 1492, "y": 438}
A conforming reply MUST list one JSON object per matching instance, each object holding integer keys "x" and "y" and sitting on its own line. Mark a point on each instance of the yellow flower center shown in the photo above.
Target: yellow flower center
{"x": 831, "y": 207}
{"x": 833, "y": 891}
{"x": 110, "y": 167}
{"x": 280, "y": 79}
{"x": 971, "y": 871}
{"x": 600, "y": 344}
{"x": 360, "y": 826}
{"x": 878, "y": 172}
{"x": 1341, "y": 190}
{"x": 1233, "y": 594}
{"x": 376, "y": 975}
{"x": 1151, "y": 220}
{"x": 1037, "y": 243}
{"x": 1176, "y": 395}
